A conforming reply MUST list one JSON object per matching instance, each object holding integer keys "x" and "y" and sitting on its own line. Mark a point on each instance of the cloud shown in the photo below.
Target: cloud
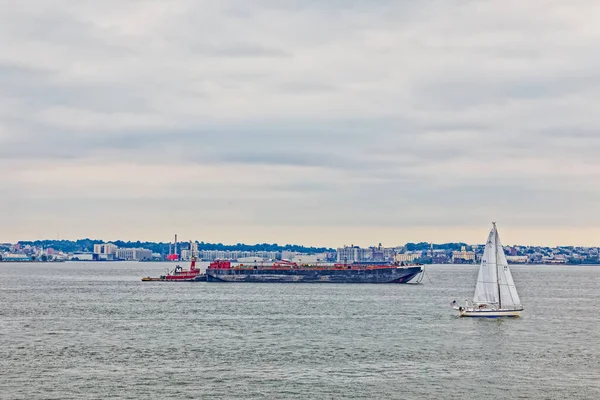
{"x": 311, "y": 120}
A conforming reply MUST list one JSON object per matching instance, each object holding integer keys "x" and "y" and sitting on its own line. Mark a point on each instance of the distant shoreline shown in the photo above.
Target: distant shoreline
{"x": 185, "y": 261}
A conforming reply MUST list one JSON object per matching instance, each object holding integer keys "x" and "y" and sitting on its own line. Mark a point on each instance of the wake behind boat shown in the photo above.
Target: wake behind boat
{"x": 495, "y": 291}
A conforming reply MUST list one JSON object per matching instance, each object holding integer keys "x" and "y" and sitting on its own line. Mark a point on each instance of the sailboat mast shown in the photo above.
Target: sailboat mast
{"x": 497, "y": 270}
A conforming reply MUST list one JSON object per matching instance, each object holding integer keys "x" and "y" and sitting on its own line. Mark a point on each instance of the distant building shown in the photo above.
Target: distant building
{"x": 408, "y": 257}
{"x": 186, "y": 255}
{"x": 348, "y": 254}
{"x": 58, "y": 257}
{"x": 105, "y": 248}
{"x": 15, "y": 257}
{"x": 105, "y": 251}
{"x": 269, "y": 255}
{"x": 125, "y": 254}
{"x": 287, "y": 254}
{"x": 210, "y": 255}
{"x": 352, "y": 254}
{"x": 309, "y": 258}
{"x": 82, "y": 257}
{"x": 134, "y": 254}
{"x": 330, "y": 256}
{"x": 463, "y": 256}
{"x": 440, "y": 257}
{"x": 143, "y": 254}
{"x": 550, "y": 260}
{"x": 250, "y": 259}
{"x": 517, "y": 259}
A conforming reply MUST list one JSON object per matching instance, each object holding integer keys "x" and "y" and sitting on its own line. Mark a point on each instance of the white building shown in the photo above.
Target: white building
{"x": 287, "y": 254}
{"x": 82, "y": 257}
{"x": 251, "y": 259}
{"x": 15, "y": 257}
{"x": 349, "y": 254}
{"x": 308, "y": 258}
{"x": 517, "y": 259}
{"x": 134, "y": 254}
{"x": 105, "y": 248}
{"x": 186, "y": 255}
{"x": 352, "y": 254}
{"x": 408, "y": 257}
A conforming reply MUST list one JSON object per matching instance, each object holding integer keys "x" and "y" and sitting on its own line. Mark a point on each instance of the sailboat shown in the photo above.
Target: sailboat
{"x": 495, "y": 292}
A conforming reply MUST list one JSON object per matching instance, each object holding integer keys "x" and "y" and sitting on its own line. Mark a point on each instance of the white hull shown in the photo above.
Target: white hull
{"x": 489, "y": 313}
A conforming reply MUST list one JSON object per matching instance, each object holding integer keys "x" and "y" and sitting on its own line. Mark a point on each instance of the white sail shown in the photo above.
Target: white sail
{"x": 486, "y": 290}
{"x": 509, "y": 298}
{"x": 495, "y": 284}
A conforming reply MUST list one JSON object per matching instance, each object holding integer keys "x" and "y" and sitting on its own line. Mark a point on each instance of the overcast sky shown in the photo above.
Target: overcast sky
{"x": 319, "y": 122}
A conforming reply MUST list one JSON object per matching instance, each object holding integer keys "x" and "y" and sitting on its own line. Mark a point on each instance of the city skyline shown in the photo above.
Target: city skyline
{"x": 319, "y": 123}
{"x": 427, "y": 253}
{"x": 509, "y": 233}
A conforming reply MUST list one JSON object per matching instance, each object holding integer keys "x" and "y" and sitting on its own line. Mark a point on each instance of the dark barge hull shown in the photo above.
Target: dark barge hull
{"x": 375, "y": 275}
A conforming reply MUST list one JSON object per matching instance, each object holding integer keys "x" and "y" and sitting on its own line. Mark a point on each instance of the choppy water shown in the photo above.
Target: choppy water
{"x": 90, "y": 331}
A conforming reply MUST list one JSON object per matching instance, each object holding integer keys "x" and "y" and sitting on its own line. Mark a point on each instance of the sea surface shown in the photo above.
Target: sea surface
{"x": 95, "y": 331}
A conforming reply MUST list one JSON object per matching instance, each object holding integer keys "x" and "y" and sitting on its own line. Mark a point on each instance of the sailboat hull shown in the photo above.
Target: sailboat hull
{"x": 490, "y": 313}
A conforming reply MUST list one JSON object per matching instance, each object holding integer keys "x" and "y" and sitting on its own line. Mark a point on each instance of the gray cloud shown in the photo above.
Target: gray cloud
{"x": 300, "y": 114}
{"x": 241, "y": 50}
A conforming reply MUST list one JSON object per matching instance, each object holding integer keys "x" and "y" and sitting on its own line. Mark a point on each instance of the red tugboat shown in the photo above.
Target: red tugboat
{"x": 181, "y": 275}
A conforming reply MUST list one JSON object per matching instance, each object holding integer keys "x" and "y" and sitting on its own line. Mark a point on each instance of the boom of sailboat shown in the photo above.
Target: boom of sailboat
{"x": 495, "y": 291}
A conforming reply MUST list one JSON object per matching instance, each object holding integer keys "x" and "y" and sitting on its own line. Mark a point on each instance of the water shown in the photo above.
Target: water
{"x": 94, "y": 330}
